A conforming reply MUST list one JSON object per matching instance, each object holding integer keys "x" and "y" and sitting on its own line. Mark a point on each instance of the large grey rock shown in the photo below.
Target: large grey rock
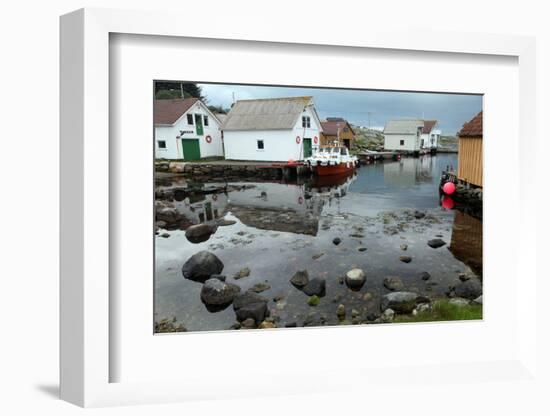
{"x": 247, "y": 298}
{"x": 200, "y": 266}
{"x": 199, "y": 232}
{"x": 355, "y": 279}
{"x": 167, "y": 214}
{"x": 393, "y": 283}
{"x": 250, "y": 305}
{"x": 316, "y": 287}
{"x": 470, "y": 289}
{"x": 436, "y": 243}
{"x": 216, "y": 293}
{"x": 256, "y": 311}
{"x": 300, "y": 279}
{"x": 400, "y": 302}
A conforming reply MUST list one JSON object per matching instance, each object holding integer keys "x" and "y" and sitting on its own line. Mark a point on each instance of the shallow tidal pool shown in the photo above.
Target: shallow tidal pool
{"x": 273, "y": 229}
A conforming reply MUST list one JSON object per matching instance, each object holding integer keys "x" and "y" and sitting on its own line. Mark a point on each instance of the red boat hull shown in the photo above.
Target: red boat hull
{"x": 334, "y": 169}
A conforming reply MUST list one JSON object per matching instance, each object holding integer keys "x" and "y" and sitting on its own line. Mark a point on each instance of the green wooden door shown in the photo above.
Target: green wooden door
{"x": 198, "y": 123}
{"x": 191, "y": 149}
{"x": 307, "y": 148}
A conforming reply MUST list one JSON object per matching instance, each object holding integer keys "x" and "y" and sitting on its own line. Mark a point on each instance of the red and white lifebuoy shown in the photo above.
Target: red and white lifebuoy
{"x": 315, "y": 140}
{"x": 298, "y": 139}
{"x": 208, "y": 139}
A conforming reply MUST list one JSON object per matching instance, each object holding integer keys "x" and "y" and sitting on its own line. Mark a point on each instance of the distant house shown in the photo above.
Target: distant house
{"x": 186, "y": 129}
{"x": 429, "y": 138}
{"x": 470, "y": 151}
{"x": 273, "y": 129}
{"x": 403, "y": 135}
{"x": 334, "y": 127}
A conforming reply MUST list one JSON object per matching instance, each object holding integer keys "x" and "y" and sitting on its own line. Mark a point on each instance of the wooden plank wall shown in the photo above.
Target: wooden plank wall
{"x": 470, "y": 160}
{"x": 467, "y": 241}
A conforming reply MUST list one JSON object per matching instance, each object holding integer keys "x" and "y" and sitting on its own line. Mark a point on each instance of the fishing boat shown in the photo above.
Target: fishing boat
{"x": 332, "y": 160}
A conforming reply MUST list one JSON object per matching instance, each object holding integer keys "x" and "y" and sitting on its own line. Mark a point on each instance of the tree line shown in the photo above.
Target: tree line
{"x": 166, "y": 90}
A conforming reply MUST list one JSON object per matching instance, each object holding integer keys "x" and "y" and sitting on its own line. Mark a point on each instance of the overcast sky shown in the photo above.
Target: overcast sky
{"x": 450, "y": 110}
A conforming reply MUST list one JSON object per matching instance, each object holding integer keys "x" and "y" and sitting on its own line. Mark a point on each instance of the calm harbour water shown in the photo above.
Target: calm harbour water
{"x": 285, "y": 227}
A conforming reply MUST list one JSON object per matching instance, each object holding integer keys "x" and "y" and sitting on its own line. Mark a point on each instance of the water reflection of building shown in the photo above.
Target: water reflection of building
{"x": 408, "y": 171}
{"x": 277, "y": 207}
{"x": 286, "y": 207}
{"x": 467, "y": 241}
{"x": 199, "y": 207}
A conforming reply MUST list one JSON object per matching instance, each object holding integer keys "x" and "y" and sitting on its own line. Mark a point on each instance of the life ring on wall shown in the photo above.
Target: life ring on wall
{"x": 300, "y": 200}
{"x": 214, "y": 197}
{"x": 208, "y": 139}
{"x": 298, "y": 139}
{"x": 315, "y": 140}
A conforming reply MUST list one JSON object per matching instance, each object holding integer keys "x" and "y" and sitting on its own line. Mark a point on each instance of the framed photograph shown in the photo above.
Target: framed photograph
{"x": 291, "y": 210}
{"x": 353, "y": 206}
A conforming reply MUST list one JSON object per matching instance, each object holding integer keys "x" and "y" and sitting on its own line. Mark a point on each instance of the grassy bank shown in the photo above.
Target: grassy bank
{"x": 442, "y": 310}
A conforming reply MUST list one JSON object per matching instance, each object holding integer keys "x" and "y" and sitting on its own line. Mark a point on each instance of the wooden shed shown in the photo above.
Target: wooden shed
{"x": 334, "y": 128}
{"x": 470, "y": 151}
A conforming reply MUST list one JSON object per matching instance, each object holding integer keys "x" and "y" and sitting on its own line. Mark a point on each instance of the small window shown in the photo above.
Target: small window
{"x": 161, "y": 144}
{"x": 306, "y": 121}
{"x": 260, "y": 144}
{"x": 402, "y": 142}
{"x": 206, "y": 120}
{"x": 346, "y": 129}
{"x": 190, "y": 119}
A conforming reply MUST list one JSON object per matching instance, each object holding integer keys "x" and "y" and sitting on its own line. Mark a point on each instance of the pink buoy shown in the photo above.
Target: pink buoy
{"x": 449, "y": 188}
{"x": 448, "y": 202}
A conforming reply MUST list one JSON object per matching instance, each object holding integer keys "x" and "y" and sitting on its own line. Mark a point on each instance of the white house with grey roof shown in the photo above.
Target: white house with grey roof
{"x": 404, "y": 135}
{"x": 186, "y": 129}
{"x": 273, "y": 129}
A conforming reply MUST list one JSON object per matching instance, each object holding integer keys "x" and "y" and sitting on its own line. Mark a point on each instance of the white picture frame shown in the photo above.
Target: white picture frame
{"x": 86, "y": 212}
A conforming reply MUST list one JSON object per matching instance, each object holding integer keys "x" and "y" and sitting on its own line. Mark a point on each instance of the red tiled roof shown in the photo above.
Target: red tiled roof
{"x": 473, "y": 128}
{"x": 169, "y": 111}
{"x": 330, "y": 127}
{"x": 428, "y": 126}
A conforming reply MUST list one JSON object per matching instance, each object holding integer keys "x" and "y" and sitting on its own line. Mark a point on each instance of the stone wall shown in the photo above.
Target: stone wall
{"x": 206, "y": 171}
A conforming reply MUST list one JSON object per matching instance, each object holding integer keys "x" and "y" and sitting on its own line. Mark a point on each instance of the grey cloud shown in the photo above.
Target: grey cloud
{"x": 451, "y": 110}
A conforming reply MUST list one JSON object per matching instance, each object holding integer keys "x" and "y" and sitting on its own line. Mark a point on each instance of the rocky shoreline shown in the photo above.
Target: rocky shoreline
{"x": 255, "y": 311}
